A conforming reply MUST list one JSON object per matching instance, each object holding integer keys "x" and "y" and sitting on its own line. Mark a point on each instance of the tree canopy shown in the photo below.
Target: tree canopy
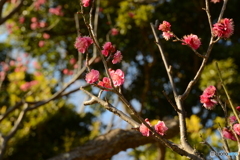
{"x": 40, "y": 70}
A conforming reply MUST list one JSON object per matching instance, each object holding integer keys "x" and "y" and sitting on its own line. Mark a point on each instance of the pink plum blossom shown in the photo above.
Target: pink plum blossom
{"x": 38, "y": 3}
{"x": 92, "y": 76}
{"x": 105, "y": 83}
{"x": 232, "y": 119}
{"x": 2, "y": 75}
{"x": 41, "y": 43}
{"x": 236, "y": 128}
{"x": 238, "y": 108}
{"x": 42, "y": 24}
{"x": 86, "y": 3}
{"x": 82, "y": 43}
{"x": 34, "y": 19}
{"x": 210, "y": 91}
{"x": 26, "y": 86}
{"x": 56, "y": 11}
{"x": 165, "y": 26}
{"x": 117, "y": 57}
{"x": 215, "y": 1}
{"x": 160, "y": 128}
{"x": 208, "y": 103}
{"x": 144, "y": 129}
{"x": 21, "y": 19}
{"x": 167, "y": 35}
{"x": 228, "y": 134}
{"x": 46, "y": 36}
{"x": 224, "y": 28}
{"x": 72, "y": 61}
{"x": 34, "y": 25}
{"x": 117, "y": 77}
{"x": 208, "y": 97}
{"x": 107, "y": 49}
{"x": 114, "y": 31}
{"x": 192, "y": 40}
{"x": 65, "y": 71}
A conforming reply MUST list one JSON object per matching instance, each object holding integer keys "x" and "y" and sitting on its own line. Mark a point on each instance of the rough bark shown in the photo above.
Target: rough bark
{"x": 109, "y": 144}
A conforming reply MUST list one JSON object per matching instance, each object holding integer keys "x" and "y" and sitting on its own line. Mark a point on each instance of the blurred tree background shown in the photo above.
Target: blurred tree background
{"x": 46, "y": 31}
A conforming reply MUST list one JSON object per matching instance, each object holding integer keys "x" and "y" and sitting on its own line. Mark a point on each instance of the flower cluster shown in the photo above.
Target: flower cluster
{"x": 231, "y": 133}
{"x": 116, "y": 76}
{"x": 208, "y": 98}
{"x": 82, "y": 43}
{"x": 108, "y": 49}
{"x": 224, "y": 28}
{"x": 165, "y": 27}
{"x": 192, "y": 41}
{"x": 160, "y": 128}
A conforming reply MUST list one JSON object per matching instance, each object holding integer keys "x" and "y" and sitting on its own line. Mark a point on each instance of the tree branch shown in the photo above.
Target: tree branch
{"x": 109, "y": 144}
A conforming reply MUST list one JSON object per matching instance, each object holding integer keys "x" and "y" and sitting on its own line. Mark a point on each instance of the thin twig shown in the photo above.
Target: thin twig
{"x": 206, "y": 143}
{"x": 226, "y": 92}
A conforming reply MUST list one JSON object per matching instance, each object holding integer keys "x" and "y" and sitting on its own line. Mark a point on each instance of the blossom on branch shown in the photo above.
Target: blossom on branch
{"x": 224, "y": 28}
{"x": 165, "y": 26}
{"x": 167, "y": 35}
{"x": 144, "y": 129}
{"x": 191, "y": 40}
{"x": 208, "y": 98}
{"x": 160, "y": 128}
{"x": 92, "y": 76}
{"x": 117, "y": 77}
{"x": 105, "y": 83}
{"x": 82, "y": 43}
{"x": 117, "y": 57}
{"x": 108, "y": 48}
{"x": 228, "y": 134}
{"x": 236, "y": 128}
{"x": 232, "y": 119}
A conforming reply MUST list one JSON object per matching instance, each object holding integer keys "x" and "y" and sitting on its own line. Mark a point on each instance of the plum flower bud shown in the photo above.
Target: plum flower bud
{"x": 117, "y": 77}
{"x": 238, "y": 108}
{"x": 224, "y": 28}
{"x": 165, "y": 26}
{"x": 208, "y": 97}
{"x": 228, "y": 134}
{"x": 167, "y": 35}
{"x": 236, "y": 128}
{"x": 82, "y": 43}
{"x": 160, "y": 128}
{"x": 92, "y": 76}
{"x": 191, "y": 40}
{"x": 117, "y": 57}
{"x": 86, "y": 3}
{"x": 144, "y": 130}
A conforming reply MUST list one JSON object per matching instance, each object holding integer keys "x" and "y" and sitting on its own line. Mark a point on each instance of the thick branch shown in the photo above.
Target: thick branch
{"x": 109, "y": 144}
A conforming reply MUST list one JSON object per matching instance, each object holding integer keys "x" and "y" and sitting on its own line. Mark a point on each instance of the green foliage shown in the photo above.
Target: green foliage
{"x": 61, "y": 131}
